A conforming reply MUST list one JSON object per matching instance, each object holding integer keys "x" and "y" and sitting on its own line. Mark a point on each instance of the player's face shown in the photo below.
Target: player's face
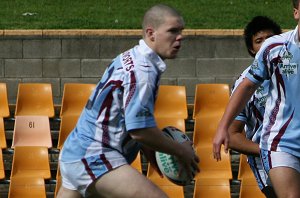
{"x": 168, "y": 37}
{"x": 259, "y": 38}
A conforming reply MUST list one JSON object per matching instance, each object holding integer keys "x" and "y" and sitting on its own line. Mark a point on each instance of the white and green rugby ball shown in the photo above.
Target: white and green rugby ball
{"x": 169, "y": 164}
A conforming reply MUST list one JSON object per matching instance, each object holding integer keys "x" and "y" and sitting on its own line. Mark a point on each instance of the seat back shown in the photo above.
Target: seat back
{"x": 171, "y": 189}
{"x": 155, "y": 177}
{"x": 4, "y": 107}
{"x": 210, "y": 98}
{"x": 171, "y": 102}
{"x": 175, "y": 122}
{"x": 244, "y": 168}
{"x": 31, "y": 161}
{"x": 249, "y": 189}
{"x": 207, "y": 188}
{"x": 204, "y": 129}
{"x": 75, "y": 97}
{"x": 3, "y": 144}
{"x": 35, "y": 99}
{"x": 32, "y": 131}
{"x": 27, "y": 187}
{"x": 67, "y": 124}
{"x": 2, "y": 170}
{"x": 137, "y": 163}
{"x": 210, "y": 168}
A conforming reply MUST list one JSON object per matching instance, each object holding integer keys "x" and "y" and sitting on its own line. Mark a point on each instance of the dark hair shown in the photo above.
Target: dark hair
{"x": 256, "y": 25}
{"x": 295, "y": 3}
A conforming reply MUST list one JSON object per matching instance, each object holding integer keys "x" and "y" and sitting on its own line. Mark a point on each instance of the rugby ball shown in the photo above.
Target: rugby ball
{"x": 168, "y": 164}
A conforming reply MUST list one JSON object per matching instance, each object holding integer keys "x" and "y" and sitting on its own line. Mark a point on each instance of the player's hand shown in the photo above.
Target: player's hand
{"x": 221, "y": 137}
{"x": 150, "y": 155}
{"x": 189, "y": 160}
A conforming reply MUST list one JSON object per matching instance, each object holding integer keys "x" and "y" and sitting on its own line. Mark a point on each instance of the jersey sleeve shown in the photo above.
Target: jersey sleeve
{"x": 139, "y": 101}
{"x": 243, "y": 115}
{"x": 262, "y": 67}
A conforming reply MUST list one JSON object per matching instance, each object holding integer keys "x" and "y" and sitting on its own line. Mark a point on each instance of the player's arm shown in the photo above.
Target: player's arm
{"x": 236, "y": 103}
{"x": 154, "y": 139}
{"x": 238, "y": 140}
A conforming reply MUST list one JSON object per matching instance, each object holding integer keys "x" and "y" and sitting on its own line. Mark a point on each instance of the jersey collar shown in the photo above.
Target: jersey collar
{"x": 296, "y": 36}
{"x": 153, "y": 57}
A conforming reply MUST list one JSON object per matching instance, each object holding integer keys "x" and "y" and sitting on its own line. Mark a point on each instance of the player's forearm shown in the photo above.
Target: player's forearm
{"x": 240, "y": 143}
{"x": 238, "y": 140}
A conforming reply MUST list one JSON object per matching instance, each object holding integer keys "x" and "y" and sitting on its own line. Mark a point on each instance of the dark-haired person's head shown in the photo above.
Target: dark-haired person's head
{"x": 295, "y": 3}
{"x": 257, "y": 31}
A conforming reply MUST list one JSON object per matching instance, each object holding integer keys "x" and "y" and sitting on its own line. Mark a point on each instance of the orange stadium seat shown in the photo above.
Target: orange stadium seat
{"x": 32, "y": 131}
{"x": 4, "y": 107}
{"x": 27, "y": 187}
{"x": 137, "y": 163}
{"x": 171, "y": 189}
{"x": 171, "y": 102}
{"x": 210, "y": 99}
{"x": 31, "y": 161}
{"x": 75, "y": 97}
{"x": 175, "y": 122}
{"x": 67, "y": 124}
{"x": 2, "y": 170}
{"x": 209, "y": 105}
{"x": 204, "y": 130}
{"x": 244, "y": 168}
{"x": 249, "y": 189}
{"x": 35, "y": 99}
{"x": 209, "y": 188}
{"x": 3, "y": 143}
{"x": 210, "y": 168}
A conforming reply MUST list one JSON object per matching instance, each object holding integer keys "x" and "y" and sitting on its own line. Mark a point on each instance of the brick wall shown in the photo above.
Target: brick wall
{"x": 60, "y": 56}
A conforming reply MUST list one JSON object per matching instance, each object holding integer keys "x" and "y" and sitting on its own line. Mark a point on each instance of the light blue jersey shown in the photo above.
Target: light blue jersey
{"x": 122, "y": 101}
{"x": 254, "y": 110}
{"x": 252, "y": 116}
{"x": 278, "y": 61}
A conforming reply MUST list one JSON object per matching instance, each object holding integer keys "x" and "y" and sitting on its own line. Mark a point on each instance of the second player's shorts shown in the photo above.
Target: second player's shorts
{"x": 272, "y": 159}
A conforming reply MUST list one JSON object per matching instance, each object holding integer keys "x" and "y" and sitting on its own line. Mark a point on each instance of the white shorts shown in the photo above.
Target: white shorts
{"x": 272, "y": 159}
{"x": 79, "y": 175}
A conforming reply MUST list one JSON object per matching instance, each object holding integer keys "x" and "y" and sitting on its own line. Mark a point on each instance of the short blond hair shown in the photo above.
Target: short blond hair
{"x": 155, "y": 16}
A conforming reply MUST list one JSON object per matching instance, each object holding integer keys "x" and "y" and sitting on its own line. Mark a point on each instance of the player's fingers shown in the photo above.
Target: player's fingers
{"x": 160, "y": 173}
{"x": 155, "y": 167}
{"x": 226, "y": 146}
{"x": 195, "y": 166}
{"x": 216, "y": 152}
{"x": 217, "y": 156}
{"x": 187, "y": 169}
{"x": 181, "y": 170}
{"x": 196, "y": 158}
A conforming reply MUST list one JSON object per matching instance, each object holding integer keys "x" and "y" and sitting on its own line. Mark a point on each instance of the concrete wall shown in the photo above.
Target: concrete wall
{"x": 60, "y": 56}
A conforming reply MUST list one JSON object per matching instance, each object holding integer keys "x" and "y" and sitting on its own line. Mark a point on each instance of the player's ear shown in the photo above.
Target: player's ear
{"x": 150, "y": 33}
{"x": 296, "y": 14}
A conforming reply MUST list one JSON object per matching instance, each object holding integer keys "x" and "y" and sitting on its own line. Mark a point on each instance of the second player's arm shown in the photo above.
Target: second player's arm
{"x": 238, "y": 140}
{"x": 236, "y": 103}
